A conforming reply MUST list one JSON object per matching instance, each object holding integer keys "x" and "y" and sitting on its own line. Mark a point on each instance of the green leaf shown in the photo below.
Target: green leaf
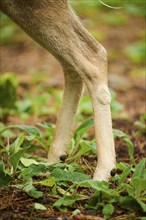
{"x": 142, "y": 205}
{"x": 30, "y": 189}
{"x": 62, "y": 191}
{"x": 39, "y": 206}
{"x": 140, "y": 170}
{"x": 15, "y": 146}
{"x": 5, "y": 178}
{"x": 94, "y": 184}
{"x": 29, "y": 129}
{"x": 141, "y": 126}
{"x": 83, "y": 128}
{"x": 84, "y": 148}
{"x": 124, "y": 175}
{"x": 67, "y": 201}
{"x": 27, "y": 162}
{"x": 50, "y": 182}
{"x": 129, "y": 203}
{"x": 129, "y": 189}
{"x": 34, "y": 170}
{"x": 15, "y": 158}
{"x": 139, "y": 184}
{"x": 67, "y": 176}
{"x": 121, "y": 166}
{"x": 107, "y": 211}
{"x": 121, "y": 134}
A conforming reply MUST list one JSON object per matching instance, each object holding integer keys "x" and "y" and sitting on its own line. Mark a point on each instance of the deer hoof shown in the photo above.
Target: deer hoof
{"x": 63, "y": 158}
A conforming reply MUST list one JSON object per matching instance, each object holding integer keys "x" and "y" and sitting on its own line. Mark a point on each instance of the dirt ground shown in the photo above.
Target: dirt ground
{"x": 27, "y": 57}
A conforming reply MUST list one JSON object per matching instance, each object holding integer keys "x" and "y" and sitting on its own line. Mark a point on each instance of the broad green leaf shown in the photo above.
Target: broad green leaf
{"x": 34, "y": 170}
{"x": 29, "y": 129}
{"x": 108, "y": 210}
{"x": 67, "y": 176}
{"x": 139, "y": 184}
{"x": 130, "y": 203}
{"x": 15, "y": 146}
{"x": 50, "y": 182}
{"x": 39, "y": 206}
{"x": 27, "y": 162}
{"x": 118, "y": 133}
{"x": 15, "y": 158}
{"x": 5, "y": 178}
{"x": 140, "y": 170}
{"x": 67, "y": 201}
{"x": 30, "y": 189}
{"x": 94, "y": 184}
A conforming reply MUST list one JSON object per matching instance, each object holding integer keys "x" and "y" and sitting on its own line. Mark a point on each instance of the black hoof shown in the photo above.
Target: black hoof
{"x": 63, "y": 158}
{"x": 113, "y": 172}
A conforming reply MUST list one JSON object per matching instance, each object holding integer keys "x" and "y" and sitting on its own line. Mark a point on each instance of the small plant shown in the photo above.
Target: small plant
{"x": 66, "y": 181}
{"x": 8, "y": 96}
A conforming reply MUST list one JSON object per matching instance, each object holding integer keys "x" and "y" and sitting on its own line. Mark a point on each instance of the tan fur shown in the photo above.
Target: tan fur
{"x": 54, "y": 25}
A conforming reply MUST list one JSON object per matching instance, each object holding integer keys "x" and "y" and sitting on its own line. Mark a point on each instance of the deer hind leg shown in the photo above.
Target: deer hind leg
{"x": 100, "y": 98}
{"x": 90, "y": 61}
{"x": 72, "y": 93}
{"x": 94, "y": 75}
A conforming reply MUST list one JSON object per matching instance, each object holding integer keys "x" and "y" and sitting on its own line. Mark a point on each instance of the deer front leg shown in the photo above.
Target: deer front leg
{"x": 72, "y": 93}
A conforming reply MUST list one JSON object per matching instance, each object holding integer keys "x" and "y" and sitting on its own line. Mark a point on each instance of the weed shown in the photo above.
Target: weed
{"x": 66, "y": 181}
{"x": 8, "y": 97}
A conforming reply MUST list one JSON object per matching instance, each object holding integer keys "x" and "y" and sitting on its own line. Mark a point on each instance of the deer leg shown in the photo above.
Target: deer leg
{"x": 100, "y": 98}
{"x": 72, "y": 93}
{"x": 94, "y": 75}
